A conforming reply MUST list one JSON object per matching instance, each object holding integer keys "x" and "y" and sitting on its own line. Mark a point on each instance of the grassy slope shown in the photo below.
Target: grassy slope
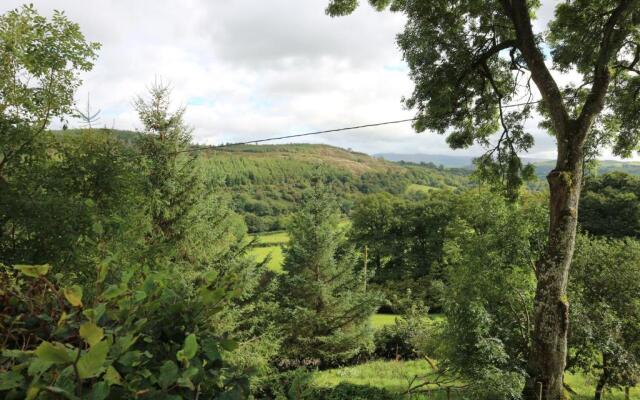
{"x": 395, "y": 376}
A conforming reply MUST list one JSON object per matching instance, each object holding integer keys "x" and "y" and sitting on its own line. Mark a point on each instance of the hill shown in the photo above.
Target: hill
{"x": 542, "y": 166}
{"x": 266, "y": 182}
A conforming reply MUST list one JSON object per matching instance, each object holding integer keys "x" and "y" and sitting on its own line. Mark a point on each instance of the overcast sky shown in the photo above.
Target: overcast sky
{"x": 250, "y": 69}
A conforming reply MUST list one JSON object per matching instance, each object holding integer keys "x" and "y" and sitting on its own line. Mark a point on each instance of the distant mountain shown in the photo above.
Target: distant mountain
{"x": 542, "y": 166}
{"x": 437, "y": 159}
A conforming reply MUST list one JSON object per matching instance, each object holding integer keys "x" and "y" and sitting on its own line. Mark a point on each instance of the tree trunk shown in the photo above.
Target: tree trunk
{"x": 602, "y": 381}
{"x": 547, "y": 358}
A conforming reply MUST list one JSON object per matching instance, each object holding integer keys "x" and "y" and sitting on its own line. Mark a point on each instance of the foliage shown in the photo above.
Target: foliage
{"x": 605, "y": 283}
{"x": 324, "y": 309}
{"x": 41, "y": 63}
{"x": 83, "y": 203}
{"x": 135, "y": 337}
{"x": 194, "y": 231}
{"x": 490, "y": 253}
{"x": 610, "y": 205}
{"x": 405, "y": 244}
{"x": 267, "y": 182}
{"x": 406, "y": 337}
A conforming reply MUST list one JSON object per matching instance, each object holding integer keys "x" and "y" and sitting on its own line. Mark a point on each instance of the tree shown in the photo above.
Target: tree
{"x": 324, "y": 306}
{"x": 491, "y": 246}
{"x": 85, "y": 203}
{"x": 405, "y": 241}
{"x": 473, "y": 61}
{"x": 189, "y": 223}
{"x": 604, "y": 287}
{"x": 610, "y": 206}
{"x": 39, "y": 73}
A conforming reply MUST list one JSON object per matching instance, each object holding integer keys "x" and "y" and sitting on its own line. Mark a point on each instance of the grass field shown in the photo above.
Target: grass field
{"x": 414, "y": 187}
{"x": 275, "y": 263}
{"x": 396, "y": 376}
{"x": 272, "y": 238}
{"x": 380, "y": 320}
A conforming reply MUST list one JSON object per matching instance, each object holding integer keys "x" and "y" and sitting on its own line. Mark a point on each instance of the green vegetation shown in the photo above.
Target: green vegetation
{"x": 274, "y": 253}
{"x": 266, "y": 182}
{"x": 380, "y": 320}
{"x": 324, "y": 308}
{"x": 127, "y": 270}
{"x": 473, "y": 63}
{"x": 396, "y": 376}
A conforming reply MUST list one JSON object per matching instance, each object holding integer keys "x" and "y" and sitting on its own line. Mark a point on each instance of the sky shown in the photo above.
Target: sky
{"x": 252, "y": 69}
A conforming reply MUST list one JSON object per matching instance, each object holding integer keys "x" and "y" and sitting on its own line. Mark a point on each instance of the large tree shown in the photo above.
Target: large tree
{"x": 473, "y": 63}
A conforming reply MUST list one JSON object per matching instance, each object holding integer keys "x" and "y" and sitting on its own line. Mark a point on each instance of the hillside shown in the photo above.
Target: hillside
{"x": 266, "y": 182}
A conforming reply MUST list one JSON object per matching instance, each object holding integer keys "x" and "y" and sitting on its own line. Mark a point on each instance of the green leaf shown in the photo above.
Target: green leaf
{"x": 112, "y": 376}
{"x": 112, "y": 292}
{"x": 54, "y": 353}
{"x": 139, "y": 295}
{"x": 73, "y": 295}
{"x": 94, "y": 314}
{"x": 210, "y": 348}
{"x": 91, "y": 333}
{"x": 123, "y": 343}
{"x": 189, "y": 349}
{"x": 38, "y": 367}
{"x": 99, "y": 391}
{"x": 131, "y": 358}
{"x": 103, "y": 269}
{"x": 62, "y": 392}
{"x": 32, "y": 393}
{"x": 10, "y": 380}
{"x": 34, "y": 271}
{"x": 91, "y": 363}
{"x": 168, "y": 374}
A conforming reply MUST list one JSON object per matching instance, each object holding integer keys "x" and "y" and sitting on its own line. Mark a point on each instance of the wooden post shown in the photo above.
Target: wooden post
{"x": 366, "y": 251}
{"x": 539, "y": 390}
{"x": 448, "y": 393}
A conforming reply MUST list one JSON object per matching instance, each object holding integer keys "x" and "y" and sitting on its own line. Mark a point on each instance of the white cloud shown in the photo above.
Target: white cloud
{"x": 250, "y": 69}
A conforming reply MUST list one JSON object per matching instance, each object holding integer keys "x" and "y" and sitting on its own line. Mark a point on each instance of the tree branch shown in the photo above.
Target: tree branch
{"x": 611, "y": 41}
{"x": 518, "y": 11}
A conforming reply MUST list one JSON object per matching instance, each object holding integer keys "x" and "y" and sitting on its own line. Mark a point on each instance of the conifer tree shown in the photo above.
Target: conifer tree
{"x": 324, "y": 306}
{"x": 190, "y": 224}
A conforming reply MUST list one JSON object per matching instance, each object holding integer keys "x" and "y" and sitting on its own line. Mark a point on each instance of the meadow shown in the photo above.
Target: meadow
{"x": 397, "y": 376}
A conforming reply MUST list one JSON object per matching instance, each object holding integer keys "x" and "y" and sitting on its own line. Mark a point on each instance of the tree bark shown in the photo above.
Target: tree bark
{"x": 548, "y": 351}
{"x": 602, "y": 381}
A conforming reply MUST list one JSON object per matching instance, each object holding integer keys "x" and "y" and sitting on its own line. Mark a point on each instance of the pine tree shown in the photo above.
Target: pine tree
{"x": 190, "y": 224}
{"x": 324, "y": 307}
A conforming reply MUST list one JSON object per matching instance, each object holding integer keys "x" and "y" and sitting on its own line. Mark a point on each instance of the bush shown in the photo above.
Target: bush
{"x": 406, "y": 337}
{"x": 136, "y": 336}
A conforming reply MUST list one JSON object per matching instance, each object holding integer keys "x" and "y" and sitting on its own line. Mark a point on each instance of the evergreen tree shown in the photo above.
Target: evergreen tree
{"x": 324, "y": 306}
{"x": 190, "y": 224}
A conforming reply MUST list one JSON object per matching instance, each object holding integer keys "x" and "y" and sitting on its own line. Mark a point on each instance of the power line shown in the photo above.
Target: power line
{"x": 202, "y": 148}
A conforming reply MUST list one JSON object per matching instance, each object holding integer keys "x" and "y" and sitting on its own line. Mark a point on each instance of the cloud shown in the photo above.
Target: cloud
{"x": 250, "y": 69}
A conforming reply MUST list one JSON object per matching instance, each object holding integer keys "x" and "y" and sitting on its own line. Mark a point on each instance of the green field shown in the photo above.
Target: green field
{"x": 380, "y": 320}
{"x": 279, "y": 237}
{"x": 275, "y": 252}
{"x": 396, "y": 376}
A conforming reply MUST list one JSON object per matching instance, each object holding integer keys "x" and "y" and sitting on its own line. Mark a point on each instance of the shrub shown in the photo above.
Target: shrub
{"x": 135, "y": 337}
{"x": 406, "y": 337}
